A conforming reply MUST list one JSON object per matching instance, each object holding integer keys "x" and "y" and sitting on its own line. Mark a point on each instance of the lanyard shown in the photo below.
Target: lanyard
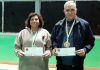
{"x": 68, "y": 33}
{"x": 33, "y": 38}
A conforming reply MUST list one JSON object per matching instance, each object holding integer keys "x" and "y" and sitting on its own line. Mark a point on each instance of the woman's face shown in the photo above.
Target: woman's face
{"x": 34, "y": 22}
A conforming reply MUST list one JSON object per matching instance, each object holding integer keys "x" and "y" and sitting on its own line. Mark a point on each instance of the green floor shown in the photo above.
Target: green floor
{"x": 7, "y": 52}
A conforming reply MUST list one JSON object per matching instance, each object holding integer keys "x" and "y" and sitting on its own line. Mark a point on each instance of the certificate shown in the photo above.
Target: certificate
{"x": 66, "y": 51}
{"x": 33, "y": 51}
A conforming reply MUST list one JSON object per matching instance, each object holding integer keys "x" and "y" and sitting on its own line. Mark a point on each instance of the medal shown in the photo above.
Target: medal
{"x": 34, "y": 38}
{"x": 66, "y": 44}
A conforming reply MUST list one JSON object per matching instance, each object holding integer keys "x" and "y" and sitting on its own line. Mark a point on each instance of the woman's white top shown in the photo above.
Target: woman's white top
{"x": 25, "y": 39}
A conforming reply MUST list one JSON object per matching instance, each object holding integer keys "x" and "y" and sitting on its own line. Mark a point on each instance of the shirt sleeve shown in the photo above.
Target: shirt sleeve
{"x": 90, "y": 39}
{"x": 18, "y": 43}
{"x": 48, "y": 40}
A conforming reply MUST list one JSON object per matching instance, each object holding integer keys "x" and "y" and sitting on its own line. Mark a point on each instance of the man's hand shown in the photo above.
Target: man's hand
{"x": 80, "y": 52}
{"x": 54, "y": 52}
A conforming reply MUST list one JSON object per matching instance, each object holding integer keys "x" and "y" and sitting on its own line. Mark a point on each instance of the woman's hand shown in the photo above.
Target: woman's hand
{"x": 21, "y": 54}
{"x": 46, "y": 54}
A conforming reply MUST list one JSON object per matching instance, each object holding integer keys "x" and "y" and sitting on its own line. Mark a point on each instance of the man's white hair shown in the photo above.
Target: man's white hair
{"x": 70, "y": 3}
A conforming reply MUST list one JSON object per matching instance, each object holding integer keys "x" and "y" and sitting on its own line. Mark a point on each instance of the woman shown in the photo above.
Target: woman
{"x": 33, "y": 36}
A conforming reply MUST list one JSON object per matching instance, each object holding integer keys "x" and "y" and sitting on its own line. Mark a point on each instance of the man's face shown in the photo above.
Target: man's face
{"x": 70, "y": 12}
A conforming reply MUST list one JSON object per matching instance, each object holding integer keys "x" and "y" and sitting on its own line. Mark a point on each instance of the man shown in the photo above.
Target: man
{"x": 72, "y": 31}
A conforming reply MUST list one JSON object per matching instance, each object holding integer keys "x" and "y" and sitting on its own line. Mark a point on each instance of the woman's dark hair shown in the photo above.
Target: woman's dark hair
{"x": 27, "y": 22}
